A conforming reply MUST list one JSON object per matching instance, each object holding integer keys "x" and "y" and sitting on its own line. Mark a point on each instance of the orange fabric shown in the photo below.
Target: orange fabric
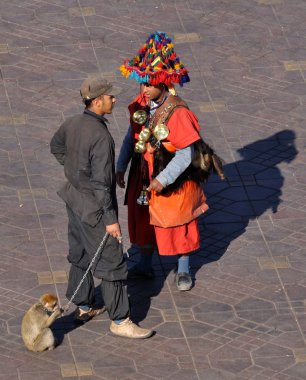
{"x": 170, "y": 148}
{"x": 184, "y": 130}
{"x": 175, "y": 240}
{"x": 179, "y": 207}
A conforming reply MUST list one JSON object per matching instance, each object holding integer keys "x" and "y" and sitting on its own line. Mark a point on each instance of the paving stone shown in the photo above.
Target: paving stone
{"x": 52, "y": 277}
{"x": 231, "y": 360}
{"x": 273, "y": 263}
{"x": 300, "y": 355}
{"x": 76, "y": 370}
{"x": 82, "y": 11}
{"x": 245, "y": 317}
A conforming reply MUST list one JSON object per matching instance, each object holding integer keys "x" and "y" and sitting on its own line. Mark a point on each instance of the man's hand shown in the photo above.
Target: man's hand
{"x": 120, "y": 179}
{"x": 115, "y": 231}
{"x": 155, "y": 185}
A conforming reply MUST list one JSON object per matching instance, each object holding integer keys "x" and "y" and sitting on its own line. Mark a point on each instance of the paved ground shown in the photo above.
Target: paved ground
{"x": 245, "y": 318}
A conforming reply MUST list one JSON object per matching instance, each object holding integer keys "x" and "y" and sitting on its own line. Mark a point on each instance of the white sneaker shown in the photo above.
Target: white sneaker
{"x": 128, "y": 329}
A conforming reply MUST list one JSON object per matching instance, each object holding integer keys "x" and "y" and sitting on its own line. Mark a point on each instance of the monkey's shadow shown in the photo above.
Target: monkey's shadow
{"x": 63, "y": 326}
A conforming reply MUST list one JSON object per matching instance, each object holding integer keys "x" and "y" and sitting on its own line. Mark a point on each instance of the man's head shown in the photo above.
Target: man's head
{"x": 99, "y": 95}
{"x": 156, "y": 92}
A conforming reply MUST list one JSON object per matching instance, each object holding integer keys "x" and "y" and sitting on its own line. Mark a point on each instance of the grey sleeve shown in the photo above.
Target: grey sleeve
{"x": 126, "y": 152}
{"x": 57, "y": 145}
{"x": 102, "y": 178}
{"x": 176, "y": 166}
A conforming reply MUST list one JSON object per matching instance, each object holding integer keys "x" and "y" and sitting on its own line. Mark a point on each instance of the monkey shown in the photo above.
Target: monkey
{"x": 35, "y": 324}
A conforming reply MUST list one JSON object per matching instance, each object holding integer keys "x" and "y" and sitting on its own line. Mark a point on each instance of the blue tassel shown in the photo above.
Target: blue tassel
{"x": 138, "y": 78}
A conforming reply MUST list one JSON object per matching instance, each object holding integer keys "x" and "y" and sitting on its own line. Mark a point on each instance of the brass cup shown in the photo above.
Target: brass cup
{"x": 161, "y": 132}
{"x": 140, "y": 146}
{"x": 144, "y": 135}
{"x": 140, "y": 117}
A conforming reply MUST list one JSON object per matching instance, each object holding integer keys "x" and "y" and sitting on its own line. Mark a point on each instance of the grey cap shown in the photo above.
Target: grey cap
{"x": 93, "y": 87}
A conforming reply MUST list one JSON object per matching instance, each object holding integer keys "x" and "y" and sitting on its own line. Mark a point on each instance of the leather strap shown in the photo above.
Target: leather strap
{"x": 163, "y": 114}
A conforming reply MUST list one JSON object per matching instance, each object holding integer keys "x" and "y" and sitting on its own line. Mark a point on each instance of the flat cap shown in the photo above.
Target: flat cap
{"x": 93, "y": 87}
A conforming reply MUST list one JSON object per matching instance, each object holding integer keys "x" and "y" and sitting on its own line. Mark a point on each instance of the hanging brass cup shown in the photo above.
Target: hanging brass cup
{"x": 144, "y": 135}
{"x": 161, "y": 132}
{"x": 140, "y": 117}
{"x": 140, "y": 146}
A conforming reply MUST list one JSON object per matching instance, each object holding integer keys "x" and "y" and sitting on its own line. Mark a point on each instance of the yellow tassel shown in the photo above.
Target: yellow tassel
{"x": 172, "y": 90}
{"x": 125, "y": 72}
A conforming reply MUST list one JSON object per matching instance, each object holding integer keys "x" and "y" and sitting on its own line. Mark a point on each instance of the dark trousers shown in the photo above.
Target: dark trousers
{"x": 109, "y": 266}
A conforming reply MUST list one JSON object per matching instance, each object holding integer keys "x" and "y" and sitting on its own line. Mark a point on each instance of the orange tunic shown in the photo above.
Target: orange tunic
{"x": 184, "y": 130}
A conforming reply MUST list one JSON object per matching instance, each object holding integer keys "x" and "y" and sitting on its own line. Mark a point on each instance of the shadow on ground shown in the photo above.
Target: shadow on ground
{"x": 253, "y": 187}
{"x": 66, "y": 323}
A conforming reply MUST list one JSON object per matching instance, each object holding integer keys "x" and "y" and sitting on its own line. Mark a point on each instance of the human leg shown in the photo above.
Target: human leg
{"x": 183, "y": 263}
{"x": 179, "y": 241}
{"x": 117, "y": 304}
{"x": 79, "y": 260}
{"x": 112, "y": 270}
{"x": 183, "y": 277}
{"x": 115, "y": 297}
{"x": 143, "y": 269}
{"x": 86, "y": 294}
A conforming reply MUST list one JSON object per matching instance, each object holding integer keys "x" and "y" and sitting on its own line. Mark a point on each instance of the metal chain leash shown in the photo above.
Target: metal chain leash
{"x": 98, "y": 251}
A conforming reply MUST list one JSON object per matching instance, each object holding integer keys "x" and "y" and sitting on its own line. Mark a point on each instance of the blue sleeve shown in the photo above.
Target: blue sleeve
{"x": 126, "y": 152}
{"x": 176, "y": 166}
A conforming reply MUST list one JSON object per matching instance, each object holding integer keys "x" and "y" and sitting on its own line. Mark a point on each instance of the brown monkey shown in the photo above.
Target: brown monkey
{"x": 35, "y": 324}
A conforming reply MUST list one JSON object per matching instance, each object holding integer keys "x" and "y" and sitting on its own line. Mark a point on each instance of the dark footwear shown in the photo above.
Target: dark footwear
{"x": 183, "y": 281}
{"x": 85, "y": 316}
{"x": 136, "y": 272}
{"x": 128, "y": 329}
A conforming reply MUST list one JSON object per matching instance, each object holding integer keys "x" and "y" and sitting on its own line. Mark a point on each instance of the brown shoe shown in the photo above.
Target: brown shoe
{"x": 81, "y": 316}
{"x": 128, "y": 329}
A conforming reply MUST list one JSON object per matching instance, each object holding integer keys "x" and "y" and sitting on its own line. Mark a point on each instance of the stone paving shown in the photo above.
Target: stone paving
{"x": 245, "y": 318}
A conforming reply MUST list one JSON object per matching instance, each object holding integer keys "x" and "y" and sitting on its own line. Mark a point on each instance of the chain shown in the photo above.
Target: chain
{"x": 100, "y": 248}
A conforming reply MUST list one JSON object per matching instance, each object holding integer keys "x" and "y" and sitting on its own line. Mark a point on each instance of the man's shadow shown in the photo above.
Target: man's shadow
{"x": 252, "y": 188}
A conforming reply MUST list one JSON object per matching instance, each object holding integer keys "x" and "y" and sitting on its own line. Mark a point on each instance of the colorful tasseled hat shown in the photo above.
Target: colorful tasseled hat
{"x": 156, "y": 63}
